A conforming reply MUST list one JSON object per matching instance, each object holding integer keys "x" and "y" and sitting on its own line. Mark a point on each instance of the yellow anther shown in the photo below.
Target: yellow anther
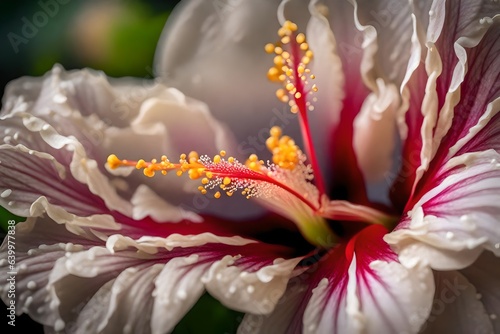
{"x": 298, "y": 95}
{"x": 290, "y": 26}
{"x": 178, "y": 173}
{"x": 282, "y": 95}
{"x": 141, "y": 164}
{"x": 222, "y": 153}
{"x": 282, "y": 32}
{"x": 205, "y": 180}
{"x": 193, "y": 157}
{"x": 285, "y": 55}
{"x": 312, "y": 76}
{"x": 278, "y": 50}
{"x": 194, "y": 174}
{"x": 294, "y": 109}
{"x": 229, "y": 193}
{"x": 149, "y": 172}
{"x": 183, "y": 156}
{"x": 289, "y": 86}
{"x": 164, "y": 172}
{"x": 226, "y": 181}
{"x": 217, "y": 159}
{"x": 304, "y": 46}
{"x": 231, "y": 160}
{"x": 204, "y": 191}
{"x": 314, "y": 88}
{"x": 278, "y": 60}
{"x": 269, "y": 48}
{"x": 274, "y": 74}
{"x": 306, "y": 60}
{"x": 114, "y": 162}
{"x": 217, "y": 194}
{"x": 209, "y": 175}
{"x": 276, "y": 131}
{"x": 285, "y": 39}
{"x": 253, "y": 157}
{"x": 301, "y": 38}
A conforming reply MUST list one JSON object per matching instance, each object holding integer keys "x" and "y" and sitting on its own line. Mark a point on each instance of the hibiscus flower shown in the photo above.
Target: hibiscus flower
{"x": 106, "y": 249}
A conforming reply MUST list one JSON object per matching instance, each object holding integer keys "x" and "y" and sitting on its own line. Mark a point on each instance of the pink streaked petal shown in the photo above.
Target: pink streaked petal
{"x": 461, "y": 93}
{"x": 39, "y": 243}
{"x": 358, "y": 287}
{"x": 36, "y": 143}
{"x": 250, "y": 278}
{"x": 371, "y": 286}
{"x": 116, "y": 280}
{"x": 451, "y": 92}
{"x": 457, "y": 218}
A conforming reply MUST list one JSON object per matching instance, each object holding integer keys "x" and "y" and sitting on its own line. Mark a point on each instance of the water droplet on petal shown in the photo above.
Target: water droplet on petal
{"x": 59, "y": 325}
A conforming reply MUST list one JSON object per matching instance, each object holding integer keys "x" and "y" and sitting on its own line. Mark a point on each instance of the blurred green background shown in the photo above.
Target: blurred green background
{"x": 118, "y": 37}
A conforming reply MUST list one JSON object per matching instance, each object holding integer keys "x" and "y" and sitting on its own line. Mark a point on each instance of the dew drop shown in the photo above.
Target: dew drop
{"x": 181, "y": 294}
{"x": 28, "y": 301}
{"x": 31, "y": 285}
{"x": 493, "y": 316}
{"x": 497, "y": 245}
{"x": 250, "y": 289}
{"x": 53, "y": 304}
{"x": 127, "y": 329}
{"x": 59, "y": 325}
{"x": 479, "y": 296}
{"x": 45, "y": 127}
{"x": 449, "y": 235}
{"x": 59, "y": 98}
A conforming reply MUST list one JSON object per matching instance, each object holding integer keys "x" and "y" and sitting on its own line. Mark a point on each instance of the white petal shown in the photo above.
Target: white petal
{"x": 214, "y": 52}
{"x": 327, "y": 68}
{"x": 457, "y": 218}
{"x": 249, "y": 291}
{"x": 282, "y": 319}
{"x": 177, "y": 288}
{"x": 484, "y": 275}
{"x": 146, "y": 203}
{"x": 456, "y": 307}
{"x": 375, "y": 131}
